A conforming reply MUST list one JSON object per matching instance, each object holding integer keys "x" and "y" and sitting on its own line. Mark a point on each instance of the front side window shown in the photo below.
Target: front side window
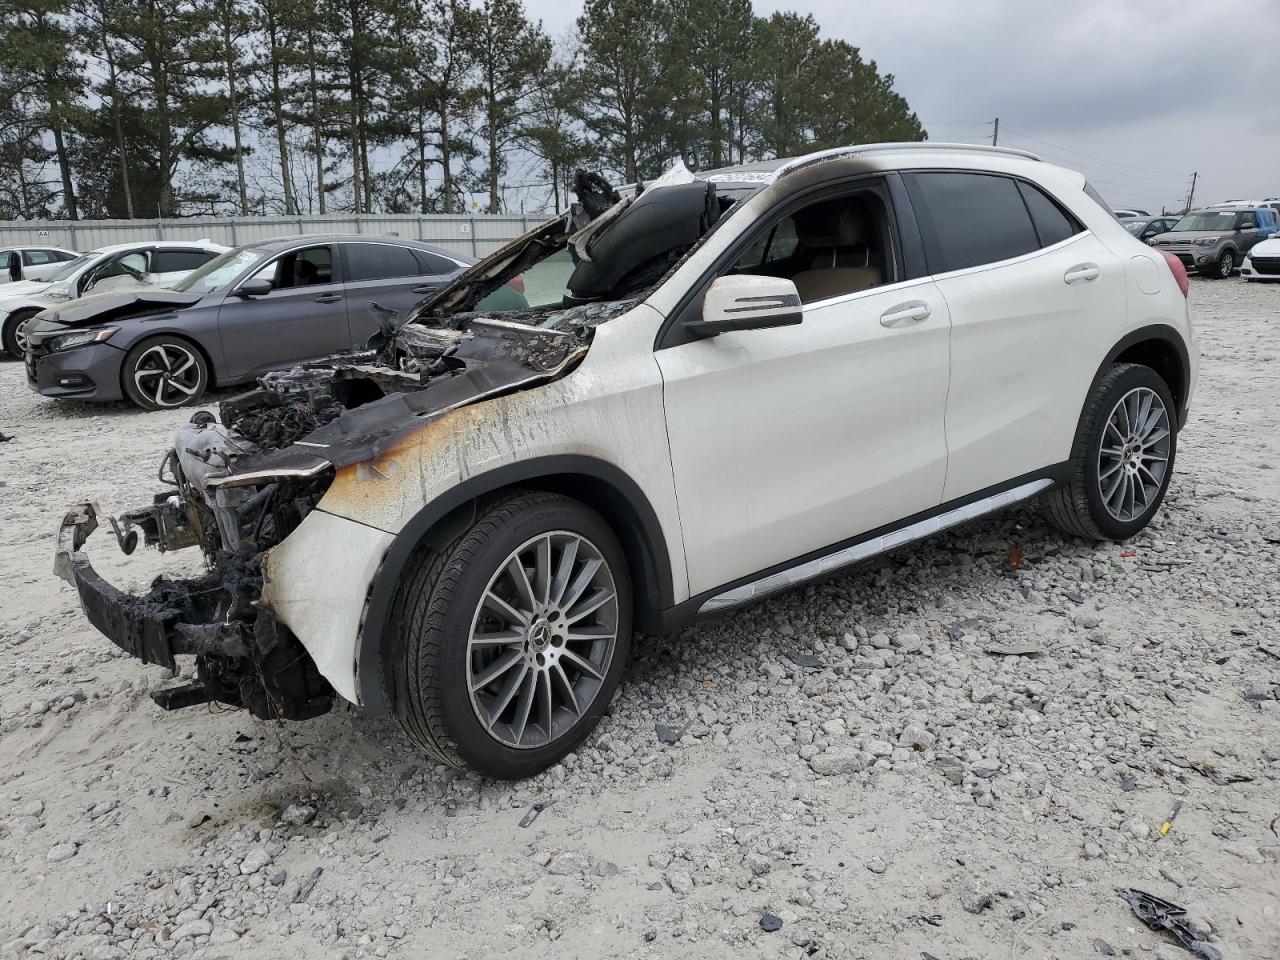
{"x": 380, "y": 261}
{"x": 1247, "y": 222}
{"x": 969, "y": 219}
{"x": 836, "y": 246}
{"x": 304, "y": 268}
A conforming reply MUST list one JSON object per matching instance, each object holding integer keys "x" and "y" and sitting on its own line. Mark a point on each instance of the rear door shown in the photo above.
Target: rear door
{"x": 1034, "y": 300}
{"x": 303, "y": 318}
{"x": 39, "y": 264}
{"x": 390, "y": 275}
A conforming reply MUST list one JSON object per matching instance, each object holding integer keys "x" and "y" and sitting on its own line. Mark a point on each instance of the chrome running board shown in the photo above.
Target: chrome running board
{"x": 870, "y": 548}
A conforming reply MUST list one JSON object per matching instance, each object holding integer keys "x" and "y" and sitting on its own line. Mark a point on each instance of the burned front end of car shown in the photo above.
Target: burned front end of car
{"x": 237, "y": 485}
{"x": 272, "y": 622}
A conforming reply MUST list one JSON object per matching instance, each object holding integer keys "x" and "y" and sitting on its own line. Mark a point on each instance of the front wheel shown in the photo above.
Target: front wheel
{"x": 515, "y": 636}
{"x": 1122, "y": 459}
{"x": 164, "y": 372}
{"x": 15, "y": 333}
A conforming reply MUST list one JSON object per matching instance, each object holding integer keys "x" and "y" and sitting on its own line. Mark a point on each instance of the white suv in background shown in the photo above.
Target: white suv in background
{"x": 122, "y": 266}
{"x": 729, "y": 384}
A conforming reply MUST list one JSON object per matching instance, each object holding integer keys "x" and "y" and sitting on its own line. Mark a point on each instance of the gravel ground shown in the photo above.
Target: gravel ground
{"x": 960, "y": 751}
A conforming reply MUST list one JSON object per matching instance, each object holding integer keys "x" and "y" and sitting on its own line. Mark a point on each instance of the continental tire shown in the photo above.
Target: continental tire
{"x": 1122, "y": 459}
{"x": 515, "y": 636}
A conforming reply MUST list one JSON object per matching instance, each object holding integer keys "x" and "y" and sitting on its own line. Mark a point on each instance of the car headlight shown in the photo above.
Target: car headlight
{"x": 79, "y": 338}
{"x": 1205, "y": 241}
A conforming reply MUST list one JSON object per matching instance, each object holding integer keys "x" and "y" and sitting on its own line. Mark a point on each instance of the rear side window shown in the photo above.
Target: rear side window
{"x": 432, "y": 264}
{"x": 970, "y": 219}
{"x": 380, "y": 261}
{"x": 1053, "y": 224}
{"x": 33, "y": 258}
{"x": 177, "y": 261}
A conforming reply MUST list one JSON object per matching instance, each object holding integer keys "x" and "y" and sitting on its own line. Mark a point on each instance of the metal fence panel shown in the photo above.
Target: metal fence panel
{"x": 473, "y": 235}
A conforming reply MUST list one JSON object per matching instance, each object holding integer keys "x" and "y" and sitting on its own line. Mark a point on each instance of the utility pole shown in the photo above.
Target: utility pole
{"x": 1192, "y": 192}
{"x": 995, "y": 132}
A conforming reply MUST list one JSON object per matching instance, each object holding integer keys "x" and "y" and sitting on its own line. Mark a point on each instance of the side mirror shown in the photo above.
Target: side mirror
{"x": 747, "y": 302}
{"x": 253, "y": 288}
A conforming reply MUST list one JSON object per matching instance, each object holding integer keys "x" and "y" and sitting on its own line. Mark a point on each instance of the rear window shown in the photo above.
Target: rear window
{"x": 180, "y": 261}
{"x": 970, "y": 219}
{"x": 380, "y": 261}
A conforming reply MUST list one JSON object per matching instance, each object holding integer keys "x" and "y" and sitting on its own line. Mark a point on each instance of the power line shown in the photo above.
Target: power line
{"x": 1089, "y": 156}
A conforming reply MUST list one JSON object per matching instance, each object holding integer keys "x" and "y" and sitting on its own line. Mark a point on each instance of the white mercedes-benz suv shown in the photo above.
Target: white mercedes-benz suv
{"x": 660, "y": 405}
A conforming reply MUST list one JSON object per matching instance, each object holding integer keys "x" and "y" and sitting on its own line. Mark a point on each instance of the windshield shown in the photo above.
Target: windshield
{"x": 219, "y": 273}
{"x": 71, "y": 267}
{"x": 1208, "y": 220}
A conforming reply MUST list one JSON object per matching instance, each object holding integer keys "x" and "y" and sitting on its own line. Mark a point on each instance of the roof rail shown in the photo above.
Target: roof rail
{"x": 869, "y": 148}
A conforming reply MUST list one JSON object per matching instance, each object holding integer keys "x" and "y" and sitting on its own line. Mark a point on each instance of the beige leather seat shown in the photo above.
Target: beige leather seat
{"x": 820, "y": 284}
{"x": 836, "y": 233}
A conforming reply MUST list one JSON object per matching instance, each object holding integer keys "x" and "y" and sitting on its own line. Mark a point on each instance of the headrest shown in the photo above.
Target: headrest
{"x": 830, "y": 225}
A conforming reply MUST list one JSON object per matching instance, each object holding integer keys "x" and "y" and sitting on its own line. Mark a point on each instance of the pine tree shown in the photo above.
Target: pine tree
{"x": 38, "y": 61}
{"x": 511, "y": 57}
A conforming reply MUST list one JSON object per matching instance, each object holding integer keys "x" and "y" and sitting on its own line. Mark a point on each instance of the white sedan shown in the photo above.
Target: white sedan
{"x": 32, "y": 263}
{"x": 1263, "y": 261}
{"x": 158, "y": 263}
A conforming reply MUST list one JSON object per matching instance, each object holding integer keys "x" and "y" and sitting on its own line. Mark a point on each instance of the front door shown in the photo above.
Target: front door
{"x": 304, "y": 317}
{"x": 789, "y": 440}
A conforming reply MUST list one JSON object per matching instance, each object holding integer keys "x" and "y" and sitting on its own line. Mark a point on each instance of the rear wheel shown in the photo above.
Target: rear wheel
{"x": 1222, "y": 267}
{"x": 1123, "y": 457}
{"x": 164, "y": 372}
{"x": 515, "y": 636}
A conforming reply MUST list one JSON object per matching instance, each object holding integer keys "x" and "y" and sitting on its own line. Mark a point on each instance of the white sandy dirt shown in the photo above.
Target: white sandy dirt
{"x": 852, "y": 760}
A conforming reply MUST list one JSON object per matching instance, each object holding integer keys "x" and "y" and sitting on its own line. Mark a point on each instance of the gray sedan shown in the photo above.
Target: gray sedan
{"x": 255, "y": 308}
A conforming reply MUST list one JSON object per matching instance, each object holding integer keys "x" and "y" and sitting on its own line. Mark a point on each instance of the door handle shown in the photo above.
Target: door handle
{"x": 427, "y": 288}
{"x": 905, "y": 313}
{"x": 1082, "y": 273}
{"x": 329, "y": 298}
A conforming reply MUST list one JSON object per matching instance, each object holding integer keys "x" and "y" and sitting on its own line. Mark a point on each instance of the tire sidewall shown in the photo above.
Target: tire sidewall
{"x": 1137, "y": 376}
{"x": 130, "y": 361}
{"x": 10, "y": 336}
{"x": 473, "y": 742}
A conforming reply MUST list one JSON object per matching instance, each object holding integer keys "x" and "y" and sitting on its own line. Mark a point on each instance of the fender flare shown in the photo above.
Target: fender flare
{"x": 1154, "y": 331}
{"x": 655, "y": 587}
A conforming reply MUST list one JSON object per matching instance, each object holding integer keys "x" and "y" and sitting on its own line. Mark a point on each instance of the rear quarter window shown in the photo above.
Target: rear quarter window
{"x": 1053, "y": 224}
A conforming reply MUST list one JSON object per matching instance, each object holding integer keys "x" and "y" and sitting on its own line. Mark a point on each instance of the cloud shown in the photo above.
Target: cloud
{"x": 1137, "y": 93}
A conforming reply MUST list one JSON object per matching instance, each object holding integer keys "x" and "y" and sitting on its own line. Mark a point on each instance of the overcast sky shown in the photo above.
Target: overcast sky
{"x": 1135, "y": 93}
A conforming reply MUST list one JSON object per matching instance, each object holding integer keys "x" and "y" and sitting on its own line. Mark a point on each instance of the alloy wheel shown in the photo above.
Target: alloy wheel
{"x": 167, "y": 374}
{"x": 1226, "y": 264}
{"x": 1134, "y": 456}
{"x": 542, "y": 640}
{"x": 20, "y": 334}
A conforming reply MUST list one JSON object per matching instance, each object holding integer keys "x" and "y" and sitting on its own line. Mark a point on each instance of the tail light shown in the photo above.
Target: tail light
{"x": 516, "y": 283}
{"x": 1179, "y": 271}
